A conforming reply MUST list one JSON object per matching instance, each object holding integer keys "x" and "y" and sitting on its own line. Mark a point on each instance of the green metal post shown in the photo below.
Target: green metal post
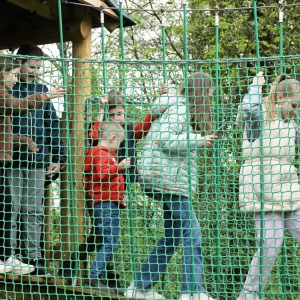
{"x": 70, "y": 175}
{"x": 262, "y": 232}
{"x": 217, "y": 150}
{"x": 104, "y": 64}
{"x": 133, "y": 266}
{"x": 164, "y": 50}
{"x": 185, "y": 70}
{"x": 164, "y": 56}
{"x": 103, "y": 51}
{"x": 283, "y": 252}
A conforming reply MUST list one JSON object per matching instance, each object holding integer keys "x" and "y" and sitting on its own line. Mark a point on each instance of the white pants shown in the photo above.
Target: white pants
{"x": 274, "y": 225}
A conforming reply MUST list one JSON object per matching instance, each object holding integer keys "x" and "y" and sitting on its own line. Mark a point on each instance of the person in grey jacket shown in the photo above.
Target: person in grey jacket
{"x": 269, "y": 122}
{"x": 168, "y": 172}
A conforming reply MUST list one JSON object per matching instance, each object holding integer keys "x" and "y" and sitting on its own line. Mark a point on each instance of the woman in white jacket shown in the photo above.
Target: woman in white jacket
{"x": 278, "y": 195}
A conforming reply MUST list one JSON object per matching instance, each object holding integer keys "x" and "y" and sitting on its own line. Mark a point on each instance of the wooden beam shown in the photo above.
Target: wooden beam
{"x": 82, "y": 90}
{"x": 73, "y": 31}
{"x": 98, "y": 4}
{"x": 43, "y": 10}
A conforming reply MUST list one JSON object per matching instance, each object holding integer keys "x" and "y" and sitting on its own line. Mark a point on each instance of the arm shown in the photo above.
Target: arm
{"x": 94, "y": 132}
{"x": 161, "y": 104}
{"x": 141, "y": 129}
{"x": 173, "y": 136}
{"x": 54, "y": 140}
{"x": 105, "y": 171}
{"x": 250, "y": 105}
{"x": 297, "y": 138}
{"x": 249, "y": 114}
{"x": 24, "y": 142}
{"x": 9, "y": 105}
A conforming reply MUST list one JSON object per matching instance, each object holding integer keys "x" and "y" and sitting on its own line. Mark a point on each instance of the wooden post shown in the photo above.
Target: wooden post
{"x": 82, "y": 83}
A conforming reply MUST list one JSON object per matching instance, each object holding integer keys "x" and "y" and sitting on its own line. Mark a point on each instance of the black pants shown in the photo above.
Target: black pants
{"x": 5, "y": 215}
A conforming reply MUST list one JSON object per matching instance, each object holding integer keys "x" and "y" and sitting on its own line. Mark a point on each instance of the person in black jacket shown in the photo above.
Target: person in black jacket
{"x": 27, "y": 175}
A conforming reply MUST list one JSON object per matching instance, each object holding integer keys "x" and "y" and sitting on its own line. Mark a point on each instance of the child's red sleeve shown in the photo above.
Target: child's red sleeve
{"x": 94, "y": 132}
{"x": 141, "y": 129}
{"x": 105, "y": 171}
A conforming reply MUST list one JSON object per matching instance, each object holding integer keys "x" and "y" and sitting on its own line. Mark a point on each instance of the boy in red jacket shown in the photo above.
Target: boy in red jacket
{"x": 104, "y": 183}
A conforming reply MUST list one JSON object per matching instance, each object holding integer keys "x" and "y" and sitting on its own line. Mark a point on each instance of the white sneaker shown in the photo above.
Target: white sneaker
{"x": 245, "y": 295}
{"x": 202, "y": 296}
{"x": 4, "y": 268}
{"x": 133, "y": 292}
{"x": 17, "y": 267}
{"x": 185, "y": 297}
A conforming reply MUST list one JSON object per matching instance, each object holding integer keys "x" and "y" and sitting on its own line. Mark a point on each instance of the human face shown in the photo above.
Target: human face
{"x": 116, "y": 140}
{"x": 10, "y": 78}
{"x": 117, "y": 114}
{"x": 30, "y": 69}
{"x": 289, "y": 106}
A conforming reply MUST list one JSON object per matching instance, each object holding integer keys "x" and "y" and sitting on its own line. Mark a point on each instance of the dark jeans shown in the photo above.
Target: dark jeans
{"x": 180, "y": 223}
{"x": 5, "y": 215}
{"x": 106, "y": 217}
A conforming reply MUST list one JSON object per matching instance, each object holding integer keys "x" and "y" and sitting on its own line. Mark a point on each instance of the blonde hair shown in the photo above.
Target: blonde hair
{"x": 283, "y": 85}
{"x": 198, "y": 90}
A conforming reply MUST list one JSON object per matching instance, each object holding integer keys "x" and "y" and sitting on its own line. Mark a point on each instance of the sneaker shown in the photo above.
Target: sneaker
{"x": 196, "y": 296}
{"x": 40, "y": 269}
{"x": 95, "y": 283}
{"x": 17, "y": 267}
{"x": 133, "y": 292}
{"x": 245, "y": 295}
{"x": 4, "y": 268}
{"x": 202, "y": 296}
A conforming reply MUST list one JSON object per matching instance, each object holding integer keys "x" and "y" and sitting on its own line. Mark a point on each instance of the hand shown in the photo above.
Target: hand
{"x": 209, "y": 140}
{"x": 259, "y": 79}
{"x": 163, "y": 90}
{"x": 124, "y": 164}
{"x": 32, "y": 146}
{"x": 56, "y": 92}
{"x": 53, "y": 169}
{"x": 103, "y": 100}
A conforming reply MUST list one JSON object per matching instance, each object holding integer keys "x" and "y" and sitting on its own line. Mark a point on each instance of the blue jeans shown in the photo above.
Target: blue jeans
{"x": 106, "y": 217}
{"x": 180, "y": 222}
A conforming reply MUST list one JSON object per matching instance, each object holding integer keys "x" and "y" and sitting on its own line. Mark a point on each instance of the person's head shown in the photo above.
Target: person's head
{"x": 111, "y": 135}
{"x": 30, "y": 68}
{"x": 199, "y": 90}
{"x": 285, "y": 93}
{"x": 9, "y": 72}
{"x": 115, "y": 106}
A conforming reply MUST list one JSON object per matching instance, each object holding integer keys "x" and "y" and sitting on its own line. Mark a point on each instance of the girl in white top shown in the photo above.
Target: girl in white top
{"x": 275, "y": 127}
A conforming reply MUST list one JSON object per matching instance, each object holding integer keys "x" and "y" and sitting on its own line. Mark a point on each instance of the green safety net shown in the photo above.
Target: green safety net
{"x": 150, "y": 179}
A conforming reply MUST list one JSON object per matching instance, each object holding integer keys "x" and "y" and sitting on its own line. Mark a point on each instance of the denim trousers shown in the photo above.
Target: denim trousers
{"x": 180, "y": 223}
{"x": 107, "y": 219}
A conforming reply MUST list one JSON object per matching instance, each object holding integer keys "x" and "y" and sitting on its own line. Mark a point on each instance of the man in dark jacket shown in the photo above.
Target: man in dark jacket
{"x": 27, "y": 176}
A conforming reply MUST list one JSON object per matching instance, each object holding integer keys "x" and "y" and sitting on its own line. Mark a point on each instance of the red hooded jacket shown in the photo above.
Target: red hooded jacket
{"x": 103, "y": 180}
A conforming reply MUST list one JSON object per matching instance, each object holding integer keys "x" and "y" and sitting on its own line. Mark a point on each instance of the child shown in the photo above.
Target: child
{"x": 27, "y": 175}
{"x": 134, "y": 132}
{"x": 11, "y": 106}
{"x": 104, "y": 183}
{"x": 275, "y": 128}
{"x": 164, "y": 175}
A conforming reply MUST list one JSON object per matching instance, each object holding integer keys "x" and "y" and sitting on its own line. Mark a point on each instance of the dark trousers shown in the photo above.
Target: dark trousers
{"x": 5, "y": 215}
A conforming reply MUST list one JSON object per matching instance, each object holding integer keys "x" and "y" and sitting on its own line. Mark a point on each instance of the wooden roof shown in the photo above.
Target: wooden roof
{"x": 36, "y": 21}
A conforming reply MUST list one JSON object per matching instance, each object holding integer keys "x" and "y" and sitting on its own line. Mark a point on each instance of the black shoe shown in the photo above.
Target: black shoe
{"x": 40, "y": 269}
{"x": 66, "y": 271}
{"x": 95, "y": 283}
{"x": 113, "y": 282}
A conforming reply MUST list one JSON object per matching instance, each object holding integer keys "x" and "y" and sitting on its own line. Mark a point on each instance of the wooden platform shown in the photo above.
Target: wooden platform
{"x": 15, "y": 287}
